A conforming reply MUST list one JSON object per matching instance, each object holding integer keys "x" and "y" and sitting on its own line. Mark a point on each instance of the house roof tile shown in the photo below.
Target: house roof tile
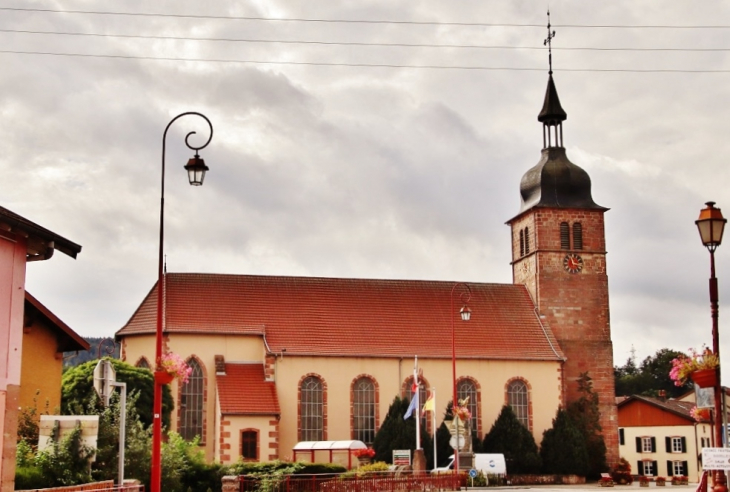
{"x": 352, "y": 317}
{"x": 243, "y": 391}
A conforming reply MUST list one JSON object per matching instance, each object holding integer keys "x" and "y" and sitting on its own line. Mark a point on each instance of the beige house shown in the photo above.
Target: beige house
{"x": 278, "y": 360}
{"x": 660, "y": 437}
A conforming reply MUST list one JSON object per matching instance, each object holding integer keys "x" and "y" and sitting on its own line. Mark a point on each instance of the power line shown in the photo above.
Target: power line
{"x": 349, "y": 43}
{"x": 359, "y": 65}
{"x": 354, "y": 21}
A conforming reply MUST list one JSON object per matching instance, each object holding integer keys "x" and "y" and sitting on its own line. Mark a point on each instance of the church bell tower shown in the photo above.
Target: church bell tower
{"x": 559, "y": 254}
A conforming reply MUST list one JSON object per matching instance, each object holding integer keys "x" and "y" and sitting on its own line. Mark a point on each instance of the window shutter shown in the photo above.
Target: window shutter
{"x": 621, "y": 439}
{"x": 653, "y": 444}
{"x": 668, "y": 443}
{"x": 640, "y": 467}
{"x": 656, "y": 467}
{"x": 684, "y": 444}
{"x": 638, "y": 445}
{"x": 670, "y": 468}
{"x": 684, "y": 468}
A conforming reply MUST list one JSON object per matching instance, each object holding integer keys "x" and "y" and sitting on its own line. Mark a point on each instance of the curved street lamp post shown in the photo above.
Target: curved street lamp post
{"x": 196, "y": 169}
{"x": 465, "y": 313}
{"x": 711, "y": 225}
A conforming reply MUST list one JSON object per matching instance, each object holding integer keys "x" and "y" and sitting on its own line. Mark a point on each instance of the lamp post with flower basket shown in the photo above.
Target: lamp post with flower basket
{"x": 465, "y": 313}
{"x": 196, "y": 169}
{"x": 711, "y": 225}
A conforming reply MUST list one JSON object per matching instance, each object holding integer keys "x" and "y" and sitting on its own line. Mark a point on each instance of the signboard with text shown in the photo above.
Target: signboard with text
{"x": 402, "y": 457}
{"x": 716, "y": 458}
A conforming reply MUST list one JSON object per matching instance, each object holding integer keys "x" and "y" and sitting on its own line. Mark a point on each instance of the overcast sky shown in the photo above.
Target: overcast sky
{"x": 334, "y": 154}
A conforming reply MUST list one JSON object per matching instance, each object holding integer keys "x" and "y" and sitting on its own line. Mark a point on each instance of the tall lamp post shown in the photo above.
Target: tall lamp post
{"x": 196, "y": 169}
{"x": 465, "y": 316}
{"x": 711, "y": 225}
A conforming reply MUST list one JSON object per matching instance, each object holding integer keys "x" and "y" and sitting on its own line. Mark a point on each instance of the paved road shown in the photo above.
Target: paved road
{"x": 592, "y": 487}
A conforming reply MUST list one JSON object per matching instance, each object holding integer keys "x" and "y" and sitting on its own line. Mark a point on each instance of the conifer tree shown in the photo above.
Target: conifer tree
{"x": 563, "y": 449}
{"x": 509, "y": 437}
{"x": 395, "y": 433}
{"x": 585, "y": 414}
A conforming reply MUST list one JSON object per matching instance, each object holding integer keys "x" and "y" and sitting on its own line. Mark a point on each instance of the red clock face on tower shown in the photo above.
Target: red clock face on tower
{"x": 572, "y": 263}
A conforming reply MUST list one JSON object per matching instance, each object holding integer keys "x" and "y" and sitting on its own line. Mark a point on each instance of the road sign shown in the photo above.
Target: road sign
{"x": 473, "y": 473}
{"x": 716, "y": 458}
{"x": 104, "y": 376}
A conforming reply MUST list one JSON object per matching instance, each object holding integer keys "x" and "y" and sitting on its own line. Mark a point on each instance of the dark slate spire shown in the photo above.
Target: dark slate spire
{"x": 555, "y": 181}
{"x": 552, "y": 113}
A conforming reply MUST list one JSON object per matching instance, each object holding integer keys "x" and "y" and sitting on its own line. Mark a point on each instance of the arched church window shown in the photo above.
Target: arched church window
{"x": 468, "y": 388}
{"x": 564, "y": 235}
{"x": 191, "y": 403}
{"x": 312, "y": 410}
{"x": 518, "y": 399}
{"x": 142, "y": 363}
{"x": 363, "y": 410}
{"x": 527, "y": 241}
{"x": 577, "y": 236}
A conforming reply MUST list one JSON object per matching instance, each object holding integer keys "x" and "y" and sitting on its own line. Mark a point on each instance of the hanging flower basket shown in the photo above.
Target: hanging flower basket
{"x": 705, "y": 378}
{"x": 684, "y": 367}
{"x": 175, "y": 366}
{"x": 163, "y": 377}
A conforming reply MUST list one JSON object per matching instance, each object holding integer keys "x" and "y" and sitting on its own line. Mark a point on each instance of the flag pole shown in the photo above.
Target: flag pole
{"x": 433, "y": 419}
{"x": 418, "y": 416}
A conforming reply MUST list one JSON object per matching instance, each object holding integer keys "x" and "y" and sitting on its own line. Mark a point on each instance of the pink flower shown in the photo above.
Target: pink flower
{"x": 173, "y": 364}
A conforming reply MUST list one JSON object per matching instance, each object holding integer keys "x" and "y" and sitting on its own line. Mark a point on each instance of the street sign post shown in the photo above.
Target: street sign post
{"x": 105, "y": 380}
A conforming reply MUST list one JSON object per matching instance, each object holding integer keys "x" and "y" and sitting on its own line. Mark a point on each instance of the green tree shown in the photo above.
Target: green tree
{"x": 650, "y": 377}
{"x": 585, "y": 415}
{"x": 77, "y": 388}
{"x": 509, "y": 437}
{"x": 397, "y": 433}
{"x": 563, "y": 450}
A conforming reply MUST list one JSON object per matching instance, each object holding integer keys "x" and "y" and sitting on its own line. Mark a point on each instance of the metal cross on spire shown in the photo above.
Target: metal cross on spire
{"x": 547, "y": 42}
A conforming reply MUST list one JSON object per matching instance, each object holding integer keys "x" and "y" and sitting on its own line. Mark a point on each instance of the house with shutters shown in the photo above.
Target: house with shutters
{"x": 278, "y": 359}
{"x": 660, "y": 437}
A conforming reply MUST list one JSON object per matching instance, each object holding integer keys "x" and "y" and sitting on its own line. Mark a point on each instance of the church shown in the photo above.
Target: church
{"x": 277, "y": 360}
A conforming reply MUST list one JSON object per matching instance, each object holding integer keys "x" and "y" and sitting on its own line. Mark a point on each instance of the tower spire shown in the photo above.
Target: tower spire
{"x": 552, "y": 114}
{"x": 548, "y": 43}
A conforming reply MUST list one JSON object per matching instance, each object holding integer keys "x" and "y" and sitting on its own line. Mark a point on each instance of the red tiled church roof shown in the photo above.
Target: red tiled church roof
{"x": 352, "y": 317}
{"x": 243, "y": 391}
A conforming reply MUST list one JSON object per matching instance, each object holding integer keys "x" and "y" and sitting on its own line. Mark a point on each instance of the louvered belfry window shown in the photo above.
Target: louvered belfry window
{"x": 191, "y": 403}
{"x": 577, "y": 236}
{"x": 522, "y": 243}
{"x": 527, "y": 241}
{"x": 564, "y": 235}
{"x": 312, "y": 410}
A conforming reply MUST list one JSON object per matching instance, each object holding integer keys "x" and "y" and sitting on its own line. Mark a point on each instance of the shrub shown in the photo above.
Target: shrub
{"x": 509, "y": 437}
{"x": 30, "y": 477}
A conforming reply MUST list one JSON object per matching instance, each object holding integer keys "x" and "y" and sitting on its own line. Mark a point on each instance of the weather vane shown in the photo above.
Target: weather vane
{"x": 547, "y": 42}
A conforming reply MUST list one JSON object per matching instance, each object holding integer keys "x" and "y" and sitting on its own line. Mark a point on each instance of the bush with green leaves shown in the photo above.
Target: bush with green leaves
{"x": 67, "y": 460}
{"x": 77, "y": 387}
{"x": 586, "y": 416}
{"x": 511, "y": 438}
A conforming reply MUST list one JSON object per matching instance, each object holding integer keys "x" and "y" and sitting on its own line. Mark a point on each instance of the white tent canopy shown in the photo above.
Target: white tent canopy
{"x": 327, "y": 451}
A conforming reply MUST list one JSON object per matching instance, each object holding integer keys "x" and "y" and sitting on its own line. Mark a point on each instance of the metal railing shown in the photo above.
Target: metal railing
{"x": 380, "y": 482}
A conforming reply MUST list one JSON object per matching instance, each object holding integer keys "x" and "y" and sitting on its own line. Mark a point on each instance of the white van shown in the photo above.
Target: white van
{"x": 489, "y": 464}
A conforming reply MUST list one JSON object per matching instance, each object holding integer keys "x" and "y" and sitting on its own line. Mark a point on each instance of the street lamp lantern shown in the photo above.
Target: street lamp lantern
{"x": 711, "y": 225}
{"x": 465, "y": 313}
{"x": 196, "y": 170}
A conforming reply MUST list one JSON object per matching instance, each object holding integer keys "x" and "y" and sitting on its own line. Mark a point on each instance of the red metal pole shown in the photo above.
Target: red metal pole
{"x": 453, "y": 378}
{"x": 719, "y": 480}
